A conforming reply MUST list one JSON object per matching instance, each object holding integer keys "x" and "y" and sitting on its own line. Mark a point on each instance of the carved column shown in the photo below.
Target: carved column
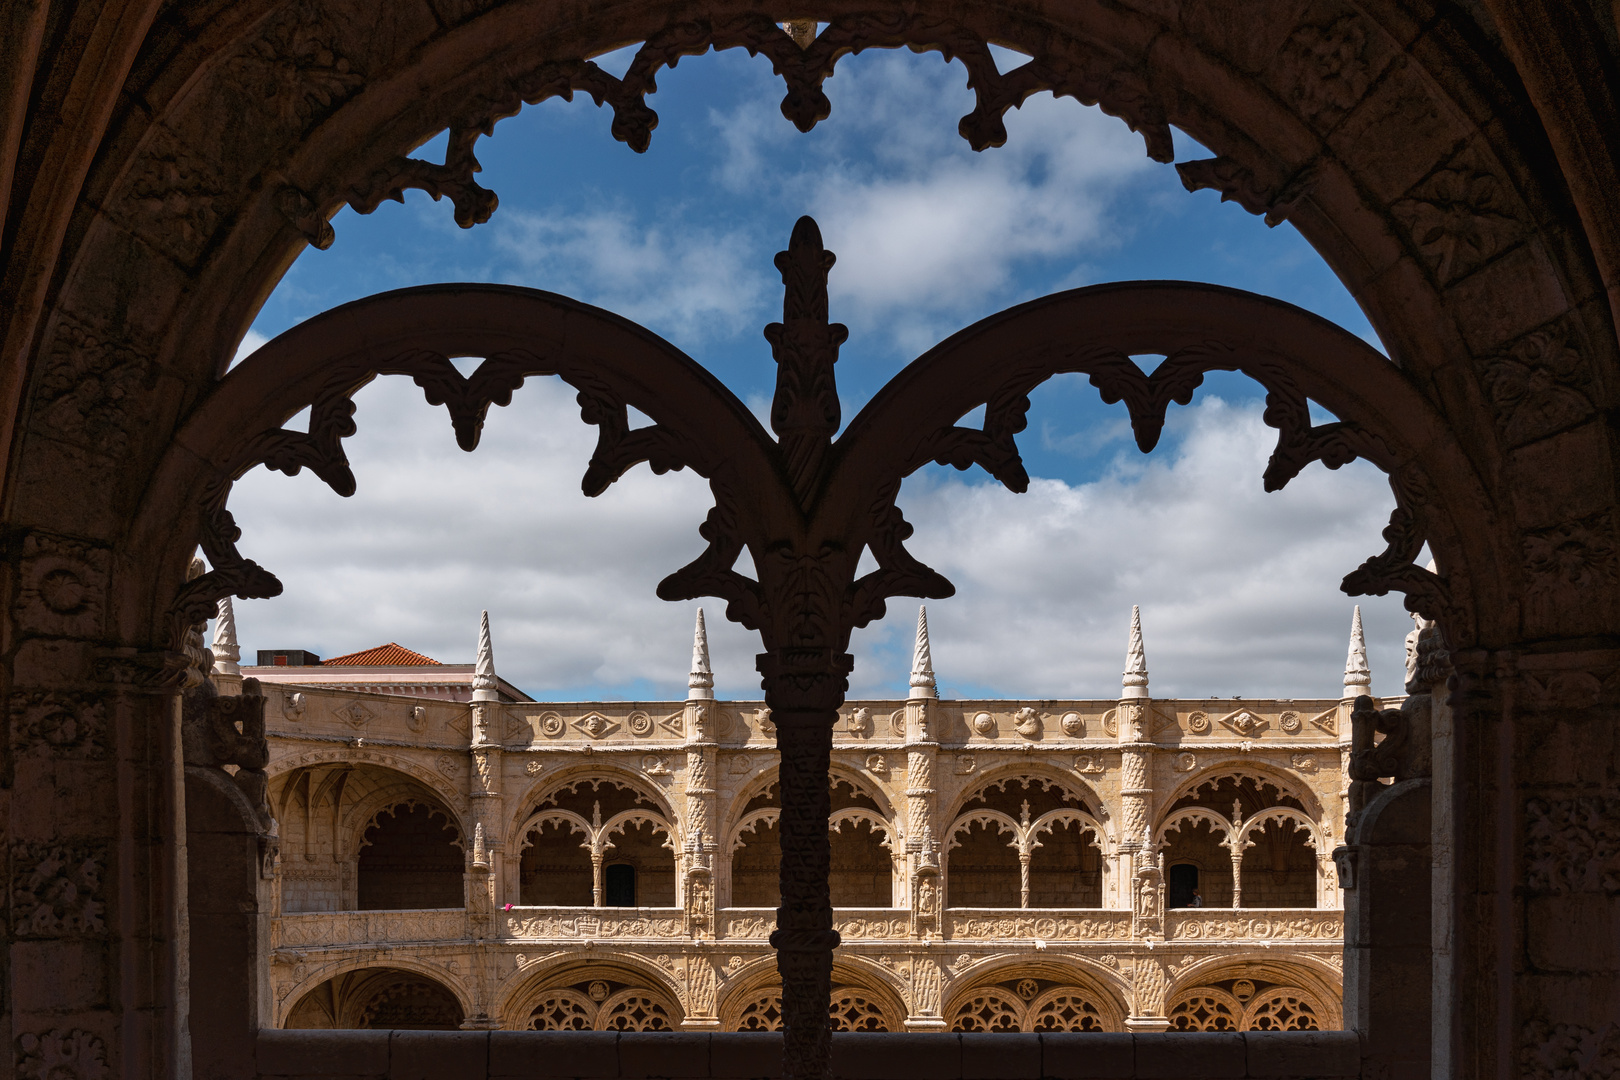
{"x": 922, "y": 885}
{"x": 484, "y": 858}
{"x": 702, "y": 811}
{"x": 804, "y": 688}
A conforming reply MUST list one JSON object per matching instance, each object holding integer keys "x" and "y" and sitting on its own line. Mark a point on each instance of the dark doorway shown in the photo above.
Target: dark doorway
{"x": 1183, "y": 885}
{"x": 619, "y": 883}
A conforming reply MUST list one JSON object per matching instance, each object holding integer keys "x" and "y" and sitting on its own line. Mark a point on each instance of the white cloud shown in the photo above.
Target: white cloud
{"x": 249, "y": 345}
{"x": 924, "y": 228}
{"x": 1238, "y": 588}
{"x": 686, "y": 282}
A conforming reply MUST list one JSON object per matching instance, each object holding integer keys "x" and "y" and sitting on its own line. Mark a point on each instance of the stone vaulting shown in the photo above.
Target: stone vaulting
{"x": 162, "y": 162}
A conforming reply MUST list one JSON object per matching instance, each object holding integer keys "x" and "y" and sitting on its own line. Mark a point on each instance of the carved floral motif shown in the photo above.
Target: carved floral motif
{"x": 1324, "y": 66}
{"x": 60, "y": 585}
{"x": 67, "y": 725}
{"x": 594, "y": 926}
{"x": 1458, "y": 218}
{"x": 56, "y": 889}
{"x": 1568, "y": 1051}
{"x": 1568, "y": 560}
{"x": 1573, "y": 845}
{"x": 1240, "y": 925}
{"x": 61, "y": 1054}
{"x": 1537, "y": 387}
{"x": 1044, "y": 927}
{"x": 293, "y": 69}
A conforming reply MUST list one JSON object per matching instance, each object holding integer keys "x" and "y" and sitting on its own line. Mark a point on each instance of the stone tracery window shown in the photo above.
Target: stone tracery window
{"x": 603, "y": 1004}
{"x": 1030, "y": 1004}
{"x": 1246, "y": 1004}
{"x": 1205, "y": 1009}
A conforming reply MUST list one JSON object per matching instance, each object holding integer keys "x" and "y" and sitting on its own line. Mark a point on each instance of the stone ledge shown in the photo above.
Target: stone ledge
{"x": 690, "y": 1055}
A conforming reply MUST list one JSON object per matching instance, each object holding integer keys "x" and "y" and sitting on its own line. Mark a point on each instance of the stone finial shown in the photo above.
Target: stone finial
{"x": 1357, "y": 675}
{"x": 922, "y": 661}
{"x": 226, "y": 651}
{"x": 700, "y": 682}
{"x": 1135, "y": 683}
{"x": 485, "y": 688}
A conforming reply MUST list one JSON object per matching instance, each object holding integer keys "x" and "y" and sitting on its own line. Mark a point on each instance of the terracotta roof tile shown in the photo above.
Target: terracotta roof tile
{"x": 390, "y": 654}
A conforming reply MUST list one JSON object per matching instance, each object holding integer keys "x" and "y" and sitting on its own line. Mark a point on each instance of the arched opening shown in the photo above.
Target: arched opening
{"x": 1182, "y": 888}
{"x": 862, "y": 862}
{"x": 597, "y": 997}
{"x": 1024, "y": 841}
{"x": 1033, "y": 999}
{"x": 1198, "y": 851}
{"x": 1273, "y": 862}
{"x": 1280, "y": 870}
{"x": 597, "y": 841}
{"x": 382, "y": 998}
{"x": 410, "y": 857}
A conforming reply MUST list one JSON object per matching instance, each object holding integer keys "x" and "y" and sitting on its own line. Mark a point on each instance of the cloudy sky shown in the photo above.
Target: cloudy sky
{"x": 1239, "y": 589}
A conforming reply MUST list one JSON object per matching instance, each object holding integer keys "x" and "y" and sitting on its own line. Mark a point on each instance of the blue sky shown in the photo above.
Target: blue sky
{"x": 1238, "y": 588}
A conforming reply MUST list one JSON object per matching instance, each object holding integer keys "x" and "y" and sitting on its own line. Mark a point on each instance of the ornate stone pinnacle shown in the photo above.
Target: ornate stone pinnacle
{"x": 1357, "y": 675}
{"x": 226, "y": 651}
{"x": 700, "y": 682}
{"x": 1135, "y": 683}
{"x": 484, "y": 685}
{"x": 922, "y": 661}
{"x": 805, "y": 412}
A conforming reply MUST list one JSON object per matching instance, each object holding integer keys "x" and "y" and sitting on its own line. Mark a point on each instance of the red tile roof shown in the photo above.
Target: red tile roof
{"x": 389, "y": 654}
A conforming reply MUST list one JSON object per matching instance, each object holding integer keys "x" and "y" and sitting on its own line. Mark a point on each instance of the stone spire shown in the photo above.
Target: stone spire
{"x": 922, "y": 661}
{"x": 226, "y": 650}
{"x": 485, "y": 688}
{"x": 700, "y": 682}
{"x": 1135, "y": 683}
{"x": 1357, "y": 675}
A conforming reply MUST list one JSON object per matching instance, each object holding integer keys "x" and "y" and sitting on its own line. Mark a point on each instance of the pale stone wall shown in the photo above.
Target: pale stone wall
{"x": 1057, "y": 920}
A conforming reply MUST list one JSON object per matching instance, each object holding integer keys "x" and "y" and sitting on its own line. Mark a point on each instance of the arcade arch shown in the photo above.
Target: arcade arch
{"x": 378, "y": 997}
{"x": 575, "y": 993}
{"x": 1042, "y": 996}
{"x": 588, "y": 833}
{"x": 1225, "y": 824}
{"x": 1025, "y": 839}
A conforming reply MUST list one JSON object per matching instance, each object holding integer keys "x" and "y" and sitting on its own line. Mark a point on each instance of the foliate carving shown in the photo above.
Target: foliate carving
{"x": 302, "y": 213}
{"x": 534, "y": 767}
{"x": 1458, "y": 219}
{"x": 1395, "y": 570}
{"x": 741, "y": 765}
{"x": 1237, "y": 184}
{"x": 1113, "y": 926}
{"x": 173, "y": 195}
{"x": 61, "y": 1054}
{"x": 294, "y": 71}
{"x": 447, "y": 765}
{"x": 89, "y": 379}
{"x": 1537, "y": 387}
{"x": 56, "y": 889}
{"x": 594, "y": 926}
{"x": 1568, "y": 1051}
{"x": 1240, "y": 925}
{"x": 1088, "y": 763}
{"x": 1573, "y": 845}
{"x": 67, "y": 725}
{"x": 1328, "y": 722}
{"x": 1568, "y": 560}
{"x": 1324, "y": 67}
{"x": 61, "y": 584}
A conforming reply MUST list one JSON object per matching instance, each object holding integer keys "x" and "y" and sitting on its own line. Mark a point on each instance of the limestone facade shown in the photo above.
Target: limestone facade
{"x": 997, "y": 865}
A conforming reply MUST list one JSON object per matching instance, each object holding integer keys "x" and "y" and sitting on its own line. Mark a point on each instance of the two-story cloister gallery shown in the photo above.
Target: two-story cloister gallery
{"x": 453, "y": 854}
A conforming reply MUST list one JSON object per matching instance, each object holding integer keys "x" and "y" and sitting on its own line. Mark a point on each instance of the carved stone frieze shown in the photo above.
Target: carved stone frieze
{"x": 1458, "y": 219}
{"x": 1568, "y": 1051}
{"x": 1537, "y": 387}
{"x": 594, "y": 926}
{"x": 60, "y": 723}
{"x": 61, "y": 585}
{"x": 294, "y": 71}
{"x": 61, "y": 1054}
{"x": 1111, "y": 926}
{"x": 1324, "y": 67}
{"x": 56, "y": 889}
{"x": 1239, "y": 925}
{"x": 358, "y": 927}
{"x": 1573, "y": 845}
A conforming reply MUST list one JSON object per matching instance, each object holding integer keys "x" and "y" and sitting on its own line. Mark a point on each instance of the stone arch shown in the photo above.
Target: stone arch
{"x": 548, "y": 786}
{"x": 1109, "y": 988}
{"x": 758, "y": 980}
{"x": 1039, "y": 772}
{"x": 522, "y": 992}
{"x": 453, "y": 800}
{"x": 1323, "y": 981}
{"x": 1260, "y": 771}
{"x": 838, "y": 771}
{"x": 451, "y": 981}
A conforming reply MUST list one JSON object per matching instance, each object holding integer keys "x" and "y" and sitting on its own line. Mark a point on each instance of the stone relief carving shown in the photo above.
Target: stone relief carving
{"x": 864, "y": 927}
{"x": 61, "y": 1054}
{"x": 90, "y": 376}
{"x": 1088, "y": 763}
{"x": 1239, "y": 926}
{"x": 594, "y": 926}
{"x": 1027, "y": 722}
{"x": 596, "y": 725}
{"x": 748, "y": 927}
{"x": 172, "y": 196}
{"x": 741, "y": 765}
{"x": 984, "y": 724}
{"x": 292, "y": 706}
{"x": 1305, "y": 763}
{"x": 1458, "y": 218}
{"x": 448, "y": 765}
{"x": 1290, "y": 722}
{"x": 1186, "y": 762}
{"x": 1328, "y": 722}
{"x": 1573, "y": 845}
{"x": 355, "y": 713}
{"x": 1568, "y": 1051}
{"x": 415, "y": 717}
{"x": 1324, "y": 67}
{"x": 655, "y": 765}
{"x": 1074, "y": 725}
{"x": 1246, "y": 724}
{"x": 534, "y": 767}
{"x": 762, "y": 720}
{"x": 67, "y": 725}
{"x": 1567, "y": 559}
{"x": 860, "y": 723}
{"x": 1109, "y": 927}
{"x": 549, "y": 724}
{"x": 60, "y": 586}
{"x": 56, "y": 889}
{"x": 1238, "y": 184}
{"x": 1198, "y": 723}
{"x": 1149, "y": 980}
{"x": 877, "y": 765}
{"x": 293, "y": 71}
{"x": 640, "y": 725}
{"x": 1537, "y": 387}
